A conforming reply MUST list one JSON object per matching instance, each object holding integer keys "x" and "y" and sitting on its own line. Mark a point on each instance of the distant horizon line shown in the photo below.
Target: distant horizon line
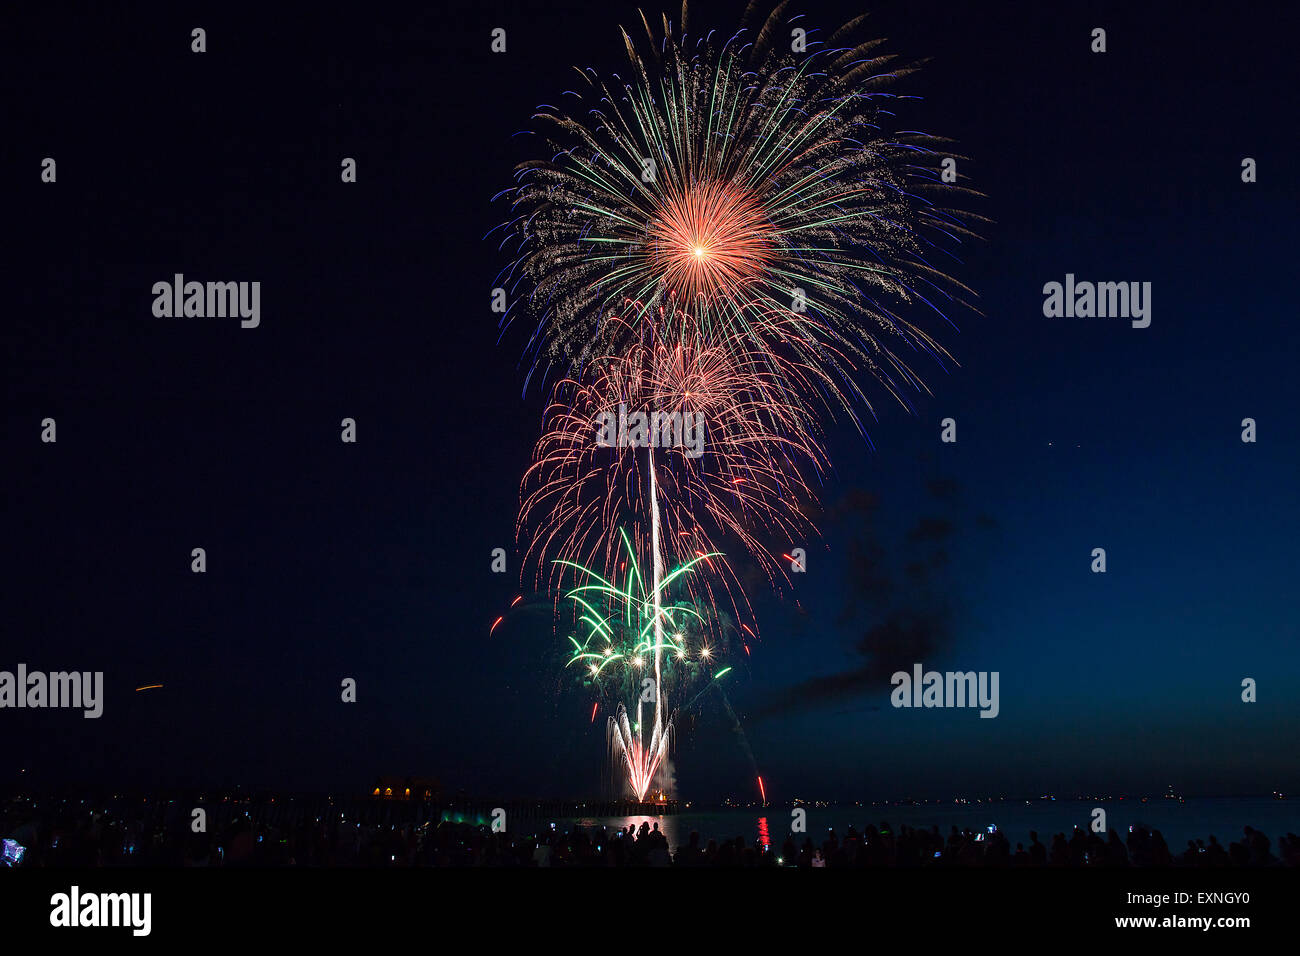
{"x": 459, "y": 797}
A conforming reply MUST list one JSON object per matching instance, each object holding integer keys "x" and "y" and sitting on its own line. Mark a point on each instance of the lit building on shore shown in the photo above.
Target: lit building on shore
{"x": 405, "y": 788}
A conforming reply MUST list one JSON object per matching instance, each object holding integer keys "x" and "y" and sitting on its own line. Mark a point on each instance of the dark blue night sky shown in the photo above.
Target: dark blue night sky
{"x": 372, "y": 560}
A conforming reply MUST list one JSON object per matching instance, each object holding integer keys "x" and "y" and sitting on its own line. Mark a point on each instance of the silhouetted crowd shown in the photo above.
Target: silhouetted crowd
{"x": 874, "y": 847}
{"x": 162, "y": 834}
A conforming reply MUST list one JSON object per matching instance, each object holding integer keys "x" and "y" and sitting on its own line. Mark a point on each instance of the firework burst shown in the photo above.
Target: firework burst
{"x": 631, "y": 628}
{"x": 744, "y": 181}
{"x": 627, "y": 622}
{"x": 746, "y": 487}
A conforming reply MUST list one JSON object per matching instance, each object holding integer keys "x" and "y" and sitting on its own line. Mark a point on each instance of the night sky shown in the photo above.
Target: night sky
{"x": 371, "y": 560}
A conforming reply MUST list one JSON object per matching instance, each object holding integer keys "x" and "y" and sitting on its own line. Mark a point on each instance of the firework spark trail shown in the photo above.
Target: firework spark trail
{"x": 641, "y": 760}
{"x": 661, "y": 692}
